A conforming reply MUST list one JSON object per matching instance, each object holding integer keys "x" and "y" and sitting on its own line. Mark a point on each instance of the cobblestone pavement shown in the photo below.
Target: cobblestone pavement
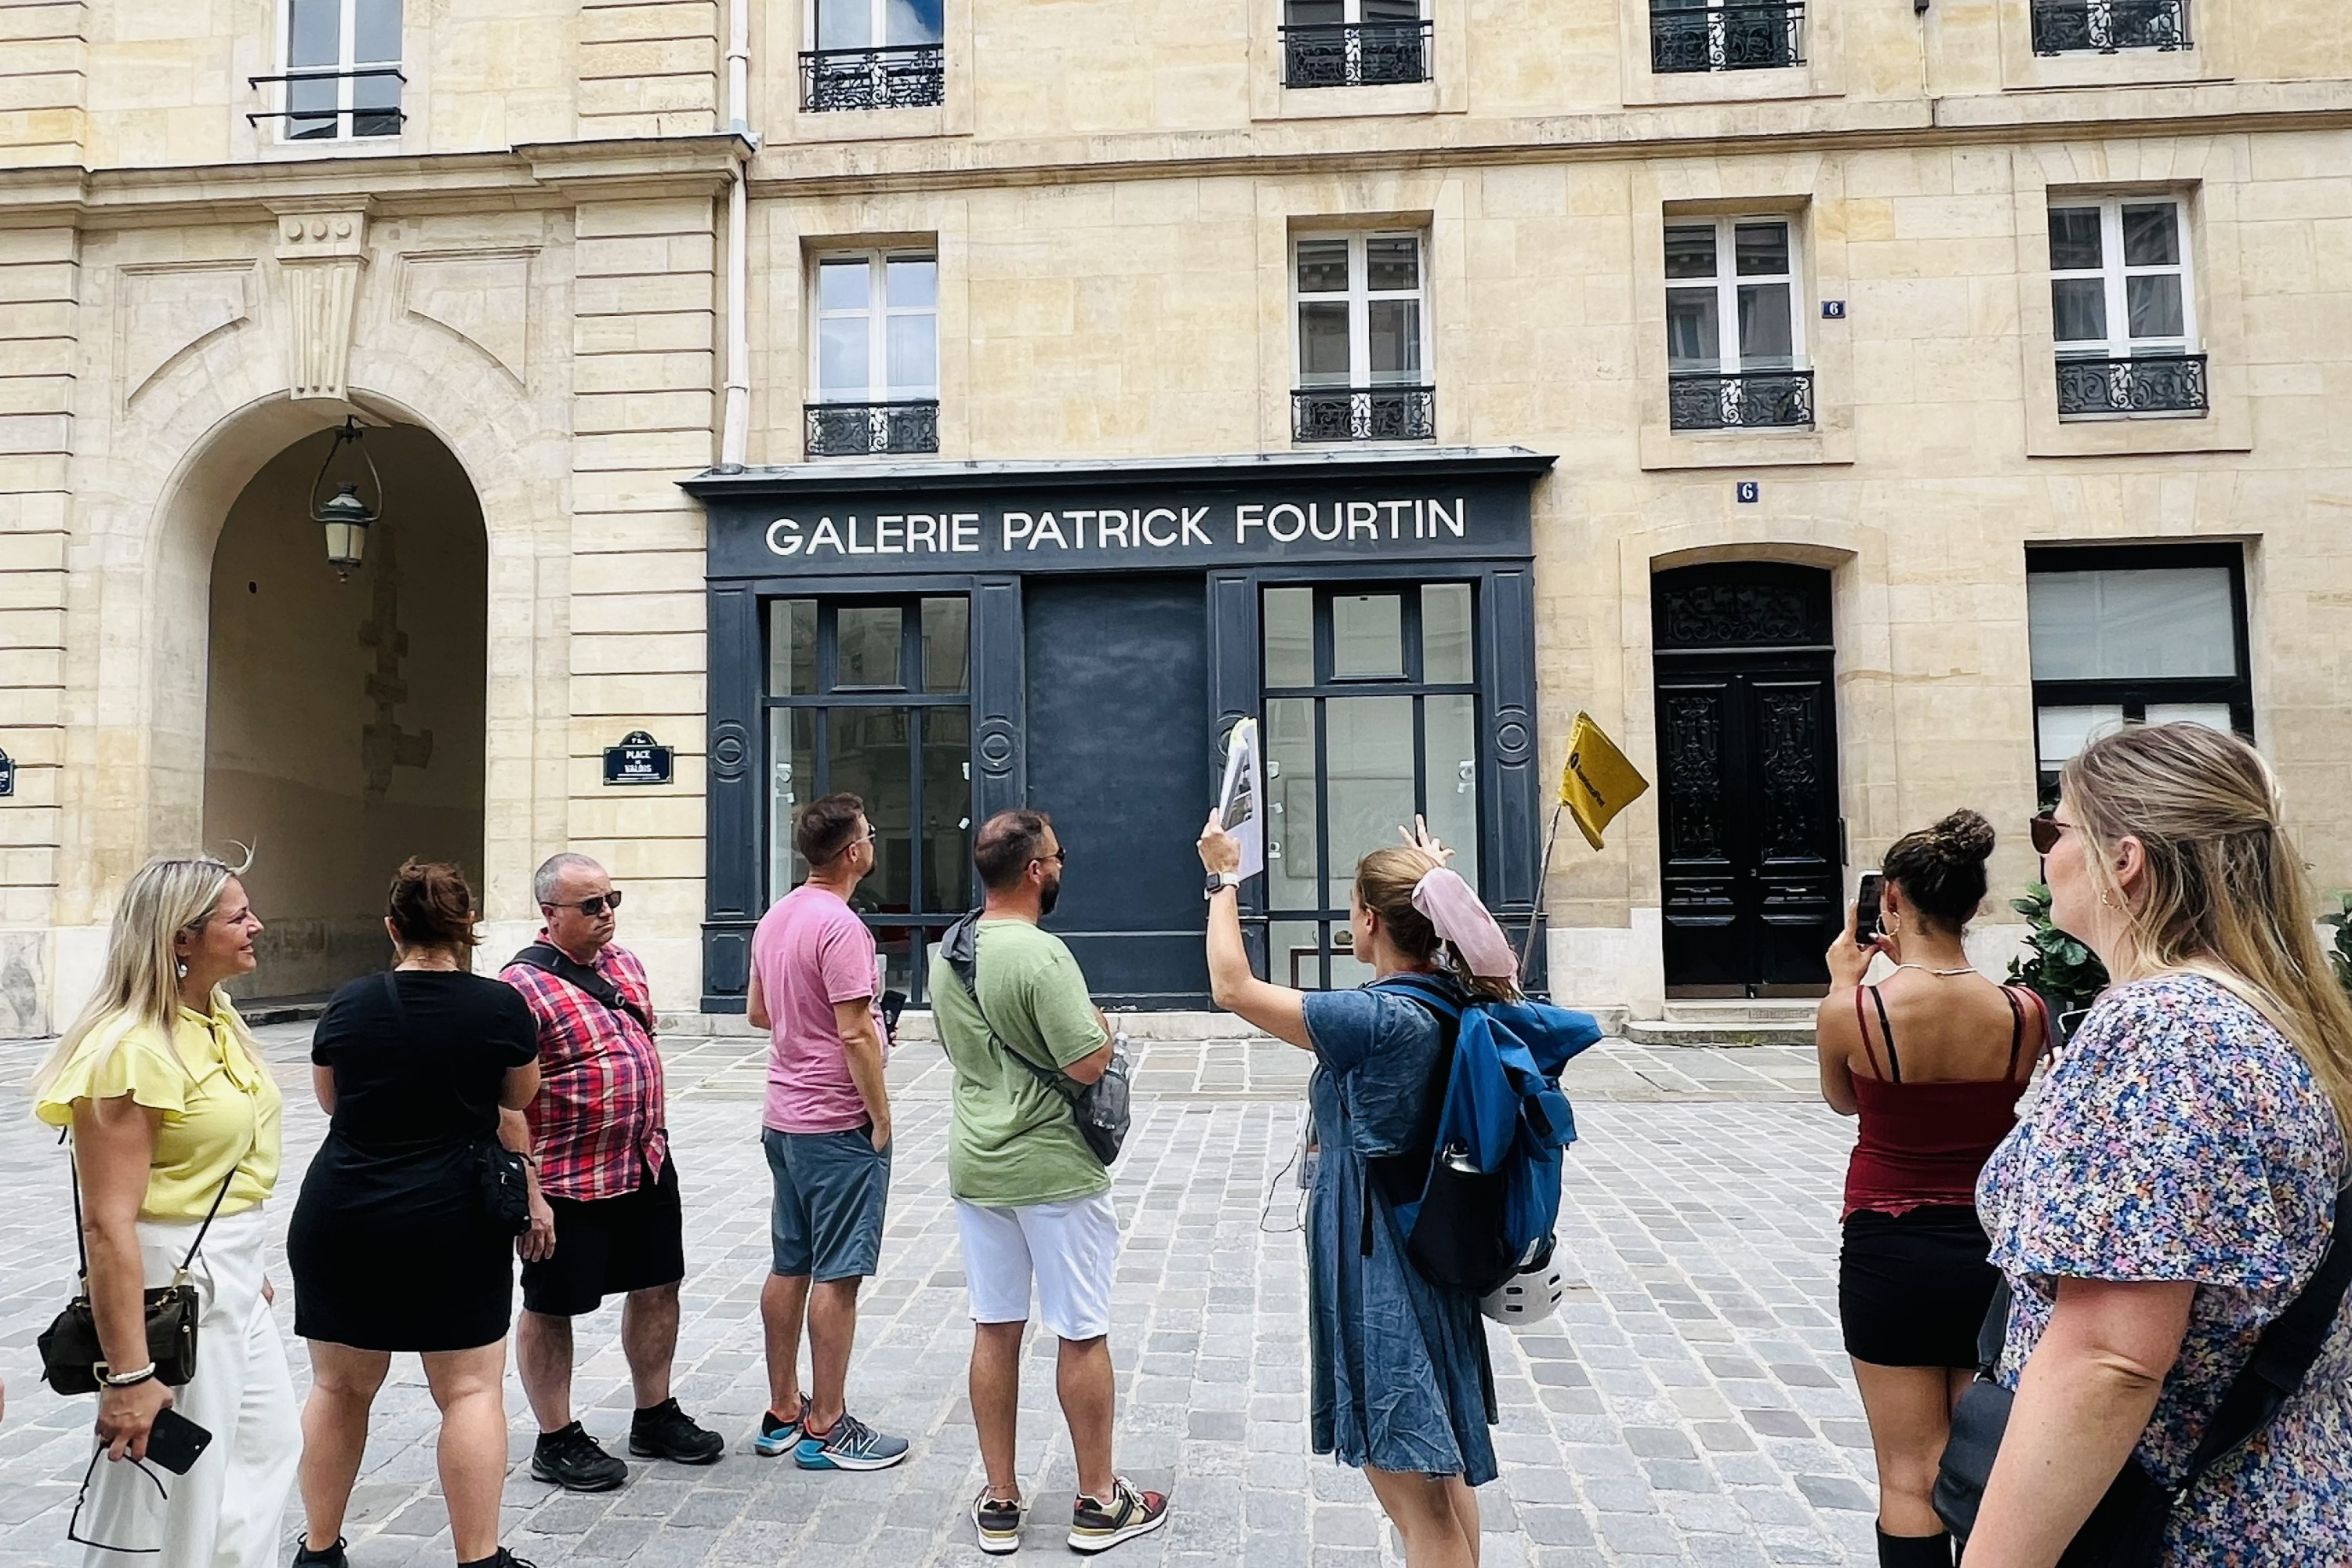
{"x": 1690, "y": 1406}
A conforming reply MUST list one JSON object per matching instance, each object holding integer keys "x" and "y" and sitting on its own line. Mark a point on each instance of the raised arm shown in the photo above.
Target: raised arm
{"x": 1232, "y": 985}
{"x": 1834, "y": 1035}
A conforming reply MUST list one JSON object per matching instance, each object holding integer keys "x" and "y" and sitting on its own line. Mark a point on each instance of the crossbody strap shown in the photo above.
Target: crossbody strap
{"x": 81, "y": 1248}
{"x": 1057, "y": 1082}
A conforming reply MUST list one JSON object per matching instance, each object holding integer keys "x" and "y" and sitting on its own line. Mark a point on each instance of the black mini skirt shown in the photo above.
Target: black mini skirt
{"x": 1913, "y": 1287}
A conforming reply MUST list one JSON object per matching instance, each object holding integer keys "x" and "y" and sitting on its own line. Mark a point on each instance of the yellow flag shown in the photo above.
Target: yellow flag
{"x": 1597, "y": 782}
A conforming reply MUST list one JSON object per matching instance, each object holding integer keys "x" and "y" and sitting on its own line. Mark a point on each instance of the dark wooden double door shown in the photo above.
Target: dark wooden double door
{"x": 1752, "y": 862}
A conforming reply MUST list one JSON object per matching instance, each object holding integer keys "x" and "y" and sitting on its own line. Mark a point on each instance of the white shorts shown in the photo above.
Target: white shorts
{"x": 1070, "y": 1248}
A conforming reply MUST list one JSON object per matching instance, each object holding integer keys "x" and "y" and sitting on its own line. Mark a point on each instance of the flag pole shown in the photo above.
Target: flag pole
{"x": 1543, "y": 883}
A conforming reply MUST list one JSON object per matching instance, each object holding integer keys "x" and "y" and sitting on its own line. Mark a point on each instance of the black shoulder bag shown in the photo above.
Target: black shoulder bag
{"x": 499, "y": 1174}
{"x": 1100, "y": 1109}
{"x": 554, "y": 961}
{"x": 72, "y": 1359}
{"x": 2126, "y": 1529}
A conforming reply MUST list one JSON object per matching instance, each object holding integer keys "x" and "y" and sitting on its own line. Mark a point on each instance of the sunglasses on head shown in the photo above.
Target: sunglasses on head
{"x": 593, "y": 908}
{"x": 2047, "y": 829}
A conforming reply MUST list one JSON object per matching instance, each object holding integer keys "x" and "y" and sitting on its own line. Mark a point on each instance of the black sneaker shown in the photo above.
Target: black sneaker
{"x": 1098, "y": 1524}
{"x": 666, "y": 1432}
{"x": 307, "y": 1556}
{"x": 576, "y": 1462}
{"x": 998, "y": 1523}
{"x": 505, "y": 1559}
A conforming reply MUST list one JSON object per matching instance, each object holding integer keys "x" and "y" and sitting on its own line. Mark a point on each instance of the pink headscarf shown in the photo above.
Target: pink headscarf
{"x": 1463, "y": 923}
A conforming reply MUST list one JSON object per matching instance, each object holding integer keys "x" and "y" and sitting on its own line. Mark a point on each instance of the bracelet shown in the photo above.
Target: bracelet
{"x": 128, "y": 1379}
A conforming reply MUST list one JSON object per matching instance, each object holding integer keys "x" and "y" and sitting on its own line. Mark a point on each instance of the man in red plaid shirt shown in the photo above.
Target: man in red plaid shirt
{"x": 608, "y": 1221}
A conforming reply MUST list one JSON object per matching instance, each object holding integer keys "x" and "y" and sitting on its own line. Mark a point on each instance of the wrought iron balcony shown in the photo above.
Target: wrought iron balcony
{"x": 2104, "y": 26}
{"x": 2149, "y": 383}
{"x": 907, "y": 75}
{"x": 1760, "y": 35}
{"x": 1363, "y": 413}
{"x": 1355, "y": 53}
{"x": 872, "y": 429}
{"x": 1755, "y": 399}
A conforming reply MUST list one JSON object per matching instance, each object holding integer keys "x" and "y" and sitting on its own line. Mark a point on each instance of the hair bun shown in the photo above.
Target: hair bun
{"x": 1963, "y": 837}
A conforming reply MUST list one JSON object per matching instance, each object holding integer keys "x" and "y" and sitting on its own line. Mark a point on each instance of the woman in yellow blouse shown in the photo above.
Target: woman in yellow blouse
{"x": 171, "y": 1108}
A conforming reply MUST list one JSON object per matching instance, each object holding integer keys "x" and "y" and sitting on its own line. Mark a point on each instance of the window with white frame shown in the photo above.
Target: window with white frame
{"x": 873, "y": 54}
{"x": 876, "y": 23}
{"x": 1361, "y": 301}
{"x": 874, "y": 354}
{"x": 2122, "y": 312}
{"x": 1735, "y": 338}
{"x": 343, "y": 77}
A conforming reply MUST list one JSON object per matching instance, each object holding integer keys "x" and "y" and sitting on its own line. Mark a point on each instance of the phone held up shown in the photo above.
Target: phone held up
{"x": 176, "y": 1442}
{"x": 1866, "y": 909}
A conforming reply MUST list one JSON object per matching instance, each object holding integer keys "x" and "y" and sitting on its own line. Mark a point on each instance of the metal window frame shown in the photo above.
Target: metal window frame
{"x": 1360, "y": 297}
{"x": 877, "y": 315}
{"x": 2134, "y": 694}
{"x": 346, "y": 70}
{"x": 1406, "y": 583}
{"x": 2114, "y": 274}
{"x": 1727, "y": 283}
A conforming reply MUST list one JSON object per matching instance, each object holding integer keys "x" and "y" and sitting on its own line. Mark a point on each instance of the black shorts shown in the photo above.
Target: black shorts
{"x": 1913, "y": 1287}
{"x": 609, "y": 1248}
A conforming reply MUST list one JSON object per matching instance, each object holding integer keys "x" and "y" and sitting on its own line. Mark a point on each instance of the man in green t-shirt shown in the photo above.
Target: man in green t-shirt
{"x": 1032, "y": 1201}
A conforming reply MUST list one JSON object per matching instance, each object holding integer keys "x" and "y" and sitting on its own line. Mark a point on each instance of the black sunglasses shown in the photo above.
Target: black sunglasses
{"x": 593, "y": 908}
{"x": 1059, "y": 857}
{"x": 2046, "y": 830}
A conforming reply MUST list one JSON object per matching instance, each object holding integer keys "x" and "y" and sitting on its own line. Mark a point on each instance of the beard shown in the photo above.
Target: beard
{"x": 1048, "y": 895}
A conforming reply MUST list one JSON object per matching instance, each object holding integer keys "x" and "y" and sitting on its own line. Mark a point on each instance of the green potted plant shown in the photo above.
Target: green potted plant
{"x": 2062, "y": 971}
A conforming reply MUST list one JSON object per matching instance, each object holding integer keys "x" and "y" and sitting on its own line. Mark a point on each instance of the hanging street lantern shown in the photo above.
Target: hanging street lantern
{"x": 343, "y": 515}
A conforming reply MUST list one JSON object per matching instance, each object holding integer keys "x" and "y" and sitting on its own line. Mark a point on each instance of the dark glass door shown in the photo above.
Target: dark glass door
{"x": 1750, "y": 863}
{"x": 1120, "y": 755}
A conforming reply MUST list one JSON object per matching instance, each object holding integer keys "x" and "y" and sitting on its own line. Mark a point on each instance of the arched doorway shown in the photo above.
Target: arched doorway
{"x": 345, "y": 721}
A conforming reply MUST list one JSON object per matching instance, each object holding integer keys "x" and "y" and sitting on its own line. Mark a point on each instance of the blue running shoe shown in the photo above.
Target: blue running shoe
{"x": 852, "y": 1445}
{"x": 777, "y": 1436}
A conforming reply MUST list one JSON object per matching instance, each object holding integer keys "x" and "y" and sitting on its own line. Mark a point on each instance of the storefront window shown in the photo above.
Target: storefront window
{"x": 1347, "y": 766}
{"x": 2134, "y": 635}
{"x": 843, "y": 715}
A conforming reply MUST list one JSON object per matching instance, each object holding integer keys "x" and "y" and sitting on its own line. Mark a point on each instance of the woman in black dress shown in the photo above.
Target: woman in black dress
{"x": 391, "y": 1243}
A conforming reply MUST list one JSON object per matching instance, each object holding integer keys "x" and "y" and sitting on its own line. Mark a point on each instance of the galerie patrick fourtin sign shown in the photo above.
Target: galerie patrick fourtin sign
{"x": 1076, "y": 529}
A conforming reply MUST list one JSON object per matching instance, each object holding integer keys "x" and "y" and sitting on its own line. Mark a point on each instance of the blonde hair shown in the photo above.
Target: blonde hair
{"x": 2224, "y": 894}
{"x": 141, "y": 980}
{"x": 1385, "y": 880}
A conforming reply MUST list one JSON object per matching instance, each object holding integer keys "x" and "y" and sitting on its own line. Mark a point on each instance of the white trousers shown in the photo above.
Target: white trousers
{"x": 228, "y": 1510}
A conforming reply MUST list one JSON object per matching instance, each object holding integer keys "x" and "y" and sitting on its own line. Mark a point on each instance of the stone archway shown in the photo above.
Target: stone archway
{"x": 345, "y": 721}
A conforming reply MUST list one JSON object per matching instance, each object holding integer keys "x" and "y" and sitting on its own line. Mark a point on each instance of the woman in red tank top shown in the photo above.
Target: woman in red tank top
{"x": 1913, "y": 1279}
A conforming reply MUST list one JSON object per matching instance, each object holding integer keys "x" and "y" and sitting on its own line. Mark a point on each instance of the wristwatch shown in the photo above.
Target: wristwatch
{"x": 1219, "y": 881}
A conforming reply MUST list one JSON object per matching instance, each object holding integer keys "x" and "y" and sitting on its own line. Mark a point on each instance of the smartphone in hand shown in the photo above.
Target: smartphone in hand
{"x": 176, "y": 1442}
{"x": 1866, "y": 909}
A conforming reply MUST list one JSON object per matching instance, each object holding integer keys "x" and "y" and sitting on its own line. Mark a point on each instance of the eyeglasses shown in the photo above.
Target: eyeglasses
{"x": 2046, "y": 829}
{"x": 73, "y": 1525}
{"x": 1059, "y": 857}
{"x": 593, "y": 908}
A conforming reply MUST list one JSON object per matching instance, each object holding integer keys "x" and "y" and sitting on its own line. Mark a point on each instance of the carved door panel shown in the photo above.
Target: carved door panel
{"x": 1750, "y": 866}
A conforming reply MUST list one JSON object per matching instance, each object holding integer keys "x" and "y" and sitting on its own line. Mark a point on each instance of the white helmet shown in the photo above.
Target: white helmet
{"x": 1528, "y": 1297}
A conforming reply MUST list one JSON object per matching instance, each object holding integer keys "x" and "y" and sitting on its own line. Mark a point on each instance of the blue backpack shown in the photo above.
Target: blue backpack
{"x": 1480, "y": 1200}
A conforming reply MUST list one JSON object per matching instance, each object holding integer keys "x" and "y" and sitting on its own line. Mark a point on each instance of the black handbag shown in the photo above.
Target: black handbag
{"x": 72, "y": 1359}
{"x": 1101, "y": 1108}
{"x": 2126, "y": 1529}
{"x": 500, "y": 1174}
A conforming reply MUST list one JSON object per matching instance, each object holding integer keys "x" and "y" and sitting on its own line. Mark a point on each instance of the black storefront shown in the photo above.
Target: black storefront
{"x": 949, "y": 639}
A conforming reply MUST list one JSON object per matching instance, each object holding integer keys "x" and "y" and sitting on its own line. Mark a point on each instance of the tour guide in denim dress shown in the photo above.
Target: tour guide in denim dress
{"x": 2168, "y": 1190}
{"x": 1401, "y": 1387}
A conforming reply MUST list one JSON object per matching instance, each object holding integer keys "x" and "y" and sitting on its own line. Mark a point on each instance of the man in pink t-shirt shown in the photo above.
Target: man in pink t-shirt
{"x": 816, "y": 984}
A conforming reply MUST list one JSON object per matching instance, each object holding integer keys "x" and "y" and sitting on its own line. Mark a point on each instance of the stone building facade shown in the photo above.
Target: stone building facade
{"x": 1851, "y": 406}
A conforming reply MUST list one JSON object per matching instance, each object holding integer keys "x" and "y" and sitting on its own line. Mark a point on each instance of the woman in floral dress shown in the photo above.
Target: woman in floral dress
{"x": 2170, "y": 1188}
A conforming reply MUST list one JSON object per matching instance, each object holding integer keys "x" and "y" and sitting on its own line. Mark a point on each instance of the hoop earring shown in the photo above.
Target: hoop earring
{"x": 1892, "y": 924}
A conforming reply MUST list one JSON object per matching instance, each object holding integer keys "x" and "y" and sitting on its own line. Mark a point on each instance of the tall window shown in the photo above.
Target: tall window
{"x": 2121, "y": 309}
{"x": 1353, "y": 43}
{"x": 872, "y": 697}
{"x": 1360, "y": 303}
{"x": 876, "y": 354}
{"x": 1371, "y": 716}
{"x": 2133, "y": 636}
{"x": 342, "y": 75}
{"x": 1735, "y": 340}
{"x": 873, "y": 54}
{"x": 1725, "y": 34}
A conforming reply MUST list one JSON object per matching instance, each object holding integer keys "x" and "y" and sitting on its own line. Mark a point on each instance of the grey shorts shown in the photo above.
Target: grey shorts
{"x": 832, "y": 1191}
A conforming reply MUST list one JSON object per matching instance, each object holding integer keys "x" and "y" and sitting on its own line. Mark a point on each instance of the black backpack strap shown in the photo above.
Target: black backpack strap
{"x": 553, "y": 960}
{"x": 2285, "y": 1354}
